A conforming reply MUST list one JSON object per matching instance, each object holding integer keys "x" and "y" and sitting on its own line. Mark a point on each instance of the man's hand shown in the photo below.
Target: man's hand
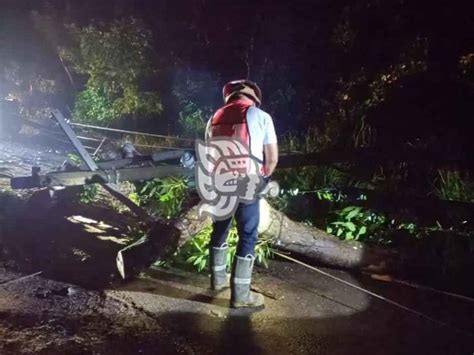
{"x": 271, "y": 158}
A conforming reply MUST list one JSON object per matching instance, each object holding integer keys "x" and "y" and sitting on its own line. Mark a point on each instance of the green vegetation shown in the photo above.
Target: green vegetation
{"x": 337, "y": 198}
{"x": 196, "y": 251}
{"x": 367, "y": 225}
{"x": 195, "y": 93}
{"x": 115, "y": 58}
{"x": 193, "y": 120}
{"x": 453, "y": 185}
{"x": 165, "y": 196}
{"x": 354, "y": 223}
{"x": 88, "y": 193}
{"x": 74, "y": 160}
{"x": 311, "y": 178}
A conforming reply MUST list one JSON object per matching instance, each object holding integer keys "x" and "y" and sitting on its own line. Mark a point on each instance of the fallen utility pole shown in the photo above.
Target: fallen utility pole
{"x": 141, "y": 159}
{"x": 93, "y": 167}
{"x": 77, "y": 178}
{"x": 107, "y": 173}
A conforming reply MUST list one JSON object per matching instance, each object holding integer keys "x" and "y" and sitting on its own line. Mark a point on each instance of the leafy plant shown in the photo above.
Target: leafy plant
{"x": 338, "y": 195}
{"x": 74, "y": 159}
{"x": 410, "y": 228}
{"x": 357, "y": 223}
{"x": 167, "y": 195}
{"x": 193, "y": 120}
{"x": 135, "y": 198}
{"x": 88, "y": 193}
{"x": 196, "y": 251}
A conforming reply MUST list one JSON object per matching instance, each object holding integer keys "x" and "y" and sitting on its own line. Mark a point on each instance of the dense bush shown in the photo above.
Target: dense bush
{"x": 115, "y": 58}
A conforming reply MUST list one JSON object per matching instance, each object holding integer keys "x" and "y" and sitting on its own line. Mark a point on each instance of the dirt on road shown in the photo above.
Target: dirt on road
{"x": 172, "y": 311}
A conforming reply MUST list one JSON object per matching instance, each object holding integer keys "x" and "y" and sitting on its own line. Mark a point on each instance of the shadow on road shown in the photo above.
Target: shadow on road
{"x": 67, "y": 241}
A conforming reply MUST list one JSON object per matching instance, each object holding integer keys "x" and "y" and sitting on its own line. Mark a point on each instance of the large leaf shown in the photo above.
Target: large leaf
{"x": 353, "y": 212}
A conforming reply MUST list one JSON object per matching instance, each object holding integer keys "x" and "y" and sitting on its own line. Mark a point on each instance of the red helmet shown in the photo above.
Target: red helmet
{"x": 244, "y": 87}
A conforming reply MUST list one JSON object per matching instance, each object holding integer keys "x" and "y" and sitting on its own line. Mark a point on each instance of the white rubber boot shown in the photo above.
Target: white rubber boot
{"x": 241, "y": 296}
{"x": 219, "y": 278}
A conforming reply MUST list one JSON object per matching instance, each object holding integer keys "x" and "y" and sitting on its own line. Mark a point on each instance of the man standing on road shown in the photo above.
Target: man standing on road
{"x": 241, "y": 119}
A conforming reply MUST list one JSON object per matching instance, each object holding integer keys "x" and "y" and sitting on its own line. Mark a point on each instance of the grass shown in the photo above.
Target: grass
{"x": 453, "y": 185}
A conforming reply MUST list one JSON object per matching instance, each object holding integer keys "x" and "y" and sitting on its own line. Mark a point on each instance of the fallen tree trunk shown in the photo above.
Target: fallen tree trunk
{"x": 284, "y": 234}
{"x": 317, "y": 245}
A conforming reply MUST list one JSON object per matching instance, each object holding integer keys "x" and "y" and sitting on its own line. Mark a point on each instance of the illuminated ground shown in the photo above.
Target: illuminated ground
{"x": 172, "y": 311}
{"x": 78, "y": 305}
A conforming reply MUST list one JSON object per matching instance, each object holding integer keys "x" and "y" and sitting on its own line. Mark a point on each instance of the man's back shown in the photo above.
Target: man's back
{"x": 258, "y": 124}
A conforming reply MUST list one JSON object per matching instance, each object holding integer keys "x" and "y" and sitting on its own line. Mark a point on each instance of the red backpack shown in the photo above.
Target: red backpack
{"x": 231, "y": 121}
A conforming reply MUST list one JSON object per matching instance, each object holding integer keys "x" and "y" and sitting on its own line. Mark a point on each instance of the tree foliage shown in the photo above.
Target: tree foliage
{"x": 195, "y": 93}
{"x": 116, "y": 58}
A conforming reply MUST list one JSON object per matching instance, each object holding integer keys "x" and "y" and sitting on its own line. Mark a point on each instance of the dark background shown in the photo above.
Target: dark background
{"x": 299, "y": 52}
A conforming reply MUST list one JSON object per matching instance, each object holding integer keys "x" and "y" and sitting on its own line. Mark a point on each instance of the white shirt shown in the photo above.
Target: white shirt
{"x": 261, "y": 130}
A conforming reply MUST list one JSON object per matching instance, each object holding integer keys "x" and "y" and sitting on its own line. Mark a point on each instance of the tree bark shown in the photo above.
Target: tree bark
{"x": 284, "y": 234}
{"x": 317, "y": 245}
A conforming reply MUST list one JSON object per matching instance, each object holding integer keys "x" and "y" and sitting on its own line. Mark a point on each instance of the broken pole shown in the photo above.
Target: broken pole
{"x": 91, "y": 164}
{"x": 77, "y": 178}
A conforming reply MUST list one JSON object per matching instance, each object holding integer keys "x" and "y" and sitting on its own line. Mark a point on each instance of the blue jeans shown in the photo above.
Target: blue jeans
{"x": 247, "y": 217}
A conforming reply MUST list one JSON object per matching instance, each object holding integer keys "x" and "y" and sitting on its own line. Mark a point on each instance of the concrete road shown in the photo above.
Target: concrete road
{"x": 307, "y": 313}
